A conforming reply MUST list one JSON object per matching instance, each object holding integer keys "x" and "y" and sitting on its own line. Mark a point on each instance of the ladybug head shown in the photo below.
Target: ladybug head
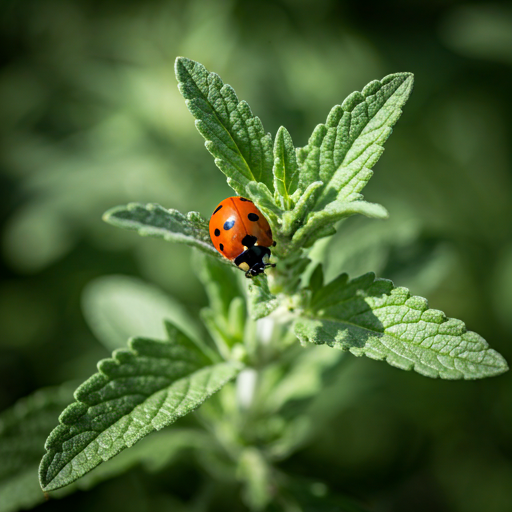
{"x": 254, "y": 261}
{"x": 256, "y": 269}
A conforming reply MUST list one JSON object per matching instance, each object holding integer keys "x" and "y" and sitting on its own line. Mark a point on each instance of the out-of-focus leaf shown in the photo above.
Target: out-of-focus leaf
{"x": 141, "y": 389}
{"x": 502, "y": 287}
{"x": 220, "y": 282}
{"x": 304, "y": 379}
{"x": 255, "y": 474}
{"x": 483, "y": 31}
{"x": 36, "y": 236}
{"x": 311, "y": 496}
{"x": 120, "y": 307}
{"x": 361, "y": 246}
{"x": 371, "y": 317}
{"x": 225, "y": 316}
{"x": 23, "y": 430}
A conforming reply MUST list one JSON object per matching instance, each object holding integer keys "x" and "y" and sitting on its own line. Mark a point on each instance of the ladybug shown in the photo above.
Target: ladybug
{"x": 242, "y": 235}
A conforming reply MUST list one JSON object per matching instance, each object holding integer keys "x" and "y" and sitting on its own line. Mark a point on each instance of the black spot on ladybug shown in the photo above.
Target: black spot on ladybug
{"x": 253, "y": 217}
{"x": 229, "y": 224}
{"x": 243, "y": 199}
{"x": 273, "y": 244}
{"x": 217, "y": 232}
{"x": 221, "y": 247}
{"x": 249, "y": 241}
{"x": 218, "y": 208}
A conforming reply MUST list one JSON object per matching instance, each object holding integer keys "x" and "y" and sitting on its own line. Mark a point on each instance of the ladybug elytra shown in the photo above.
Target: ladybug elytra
{"x": 242, "y": 235}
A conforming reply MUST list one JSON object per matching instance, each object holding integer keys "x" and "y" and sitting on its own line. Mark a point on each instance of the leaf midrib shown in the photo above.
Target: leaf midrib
{"x": 188, "y": 239}
{"x": 283, "y": 179}
{"x": 394, "y": 337}
{"x": 148, "y": 397}
{"x": 345, "y": 163}
{"x": 219, "y": 120}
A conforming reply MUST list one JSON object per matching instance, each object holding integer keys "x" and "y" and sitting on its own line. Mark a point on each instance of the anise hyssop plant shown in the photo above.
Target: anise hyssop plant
{"x": 257, "y": 323}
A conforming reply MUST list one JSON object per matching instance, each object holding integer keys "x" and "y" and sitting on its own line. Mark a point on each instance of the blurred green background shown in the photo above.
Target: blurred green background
{"x": 90, "y": 117}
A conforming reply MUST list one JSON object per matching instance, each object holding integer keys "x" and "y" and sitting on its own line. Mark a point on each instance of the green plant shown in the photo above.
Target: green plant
{"x": 242, "y": 433}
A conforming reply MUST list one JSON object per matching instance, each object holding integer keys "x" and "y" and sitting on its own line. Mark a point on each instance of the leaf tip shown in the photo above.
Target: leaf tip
{"x": 501, "y": 364}
{"x": 107, "y": 216}
{"x": 181, "y": 62}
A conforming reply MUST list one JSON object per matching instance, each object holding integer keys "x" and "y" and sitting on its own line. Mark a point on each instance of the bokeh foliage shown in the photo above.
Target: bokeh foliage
{"x": 90, "y": 117}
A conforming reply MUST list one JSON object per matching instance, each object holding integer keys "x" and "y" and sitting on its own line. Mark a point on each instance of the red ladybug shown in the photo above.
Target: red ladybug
{"x": 242, "y": 235}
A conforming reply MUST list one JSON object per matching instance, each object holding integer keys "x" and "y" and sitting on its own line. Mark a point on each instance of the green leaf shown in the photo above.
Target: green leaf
{"x": 23, "y": 429}
{"x": 316, "y": 281}
{"x": 286, "y": 171}
{"x": 171, "y": 225}
{"x": 220, "y": 281}
{"x": 308, "y": 158}
{"x": 256, "y": 475}
{"x": 225, "y": 296}
{"x": 25, "y": 426}
{"x": 141, "y": 389}
{"x": 317, "y": 222}
{"x": 292, "y": 220}
{"x": 290, "y": 272}
{"x": 364, "y": 246}
{"x": 119, "y": 307}
{"x": 260, "y": 194}
{"x": 261, "y": 301}
{"x": 153, "y": 453}
{"x": 303, "y": 379}
{"x": 369, "y": 316}
{"x": 234, "y": 136}
{"x": 339, "y": 157}
{"x": 342, "y": 152}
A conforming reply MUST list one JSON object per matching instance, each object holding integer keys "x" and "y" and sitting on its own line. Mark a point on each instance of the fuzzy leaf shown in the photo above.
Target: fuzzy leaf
{"x": 331, "y": 214}
{"x": 254, "y": 473}
{"x": 308, "y": 158}
{"x": 234, "y": 136}
{"x": 141, "y": 389}
{"x": 316, "y": 281}
{"x": 342, "y": 152}
{"x": 117, "y": 307}
{"x": 261, "y": 301}
{"x": 304, "y": 379}
{"x": 25, "y": 426}
{"x": 222, "y": 287}
{"x": 171, "y": 225}
{"x": 286, "y": 171}
{"x": 220, "y": 281}
{"x": 293, "y": 219}
{"x": 371, "y": 317}
{"x": 263, "y": 199}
